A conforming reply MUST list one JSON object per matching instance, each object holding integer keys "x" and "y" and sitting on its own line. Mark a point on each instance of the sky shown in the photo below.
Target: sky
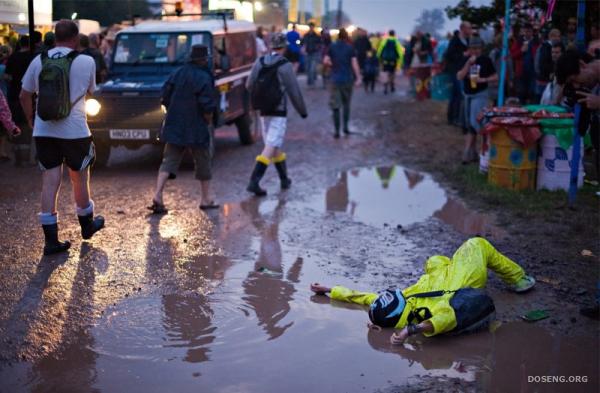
{"x": 381, "y": 15}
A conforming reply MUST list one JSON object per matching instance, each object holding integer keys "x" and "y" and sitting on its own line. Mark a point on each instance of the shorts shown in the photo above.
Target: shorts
{"x": 389, "y": 67}
{"x": 273, "y": 130}
{"x": 293, "y": 57}
{"x": 173, "y": 155}
{"x": 78, "y": 154}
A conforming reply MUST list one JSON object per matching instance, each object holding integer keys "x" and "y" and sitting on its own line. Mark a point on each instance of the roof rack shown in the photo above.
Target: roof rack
{"x": 220, "y": 14}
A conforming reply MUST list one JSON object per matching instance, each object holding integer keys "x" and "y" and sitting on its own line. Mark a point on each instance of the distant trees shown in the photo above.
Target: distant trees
{"x": 431, "y": 21}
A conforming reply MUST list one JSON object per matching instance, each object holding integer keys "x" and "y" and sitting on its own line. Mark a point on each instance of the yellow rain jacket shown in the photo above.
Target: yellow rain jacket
{"x": 467, "y": 268}
{"x": 399, "y": 49}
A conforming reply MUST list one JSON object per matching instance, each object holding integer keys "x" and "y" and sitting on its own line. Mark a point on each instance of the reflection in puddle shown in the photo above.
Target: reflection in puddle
{"x": 393, "y": 195}
{"x": 250, "y": 324}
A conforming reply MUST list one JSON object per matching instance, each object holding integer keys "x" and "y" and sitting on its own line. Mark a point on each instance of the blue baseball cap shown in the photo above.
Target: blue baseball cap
{"x": 386, "y": 310}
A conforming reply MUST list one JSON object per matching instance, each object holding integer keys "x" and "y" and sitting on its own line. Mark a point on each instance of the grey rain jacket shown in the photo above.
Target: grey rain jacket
{"x": 287, "y": 81}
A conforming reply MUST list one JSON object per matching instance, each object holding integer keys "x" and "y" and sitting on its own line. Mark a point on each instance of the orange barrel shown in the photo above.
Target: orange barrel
{"x": 513, "y": 152}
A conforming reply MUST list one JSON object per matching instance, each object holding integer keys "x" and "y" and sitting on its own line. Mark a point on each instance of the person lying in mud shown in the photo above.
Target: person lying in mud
{"x": 448, "y": 298}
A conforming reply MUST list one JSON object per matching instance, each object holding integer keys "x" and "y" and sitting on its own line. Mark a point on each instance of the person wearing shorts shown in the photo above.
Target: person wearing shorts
{"x": 189, "y": 96}
{"x": 274, "y": 122}
{"x": 67, "y": 141}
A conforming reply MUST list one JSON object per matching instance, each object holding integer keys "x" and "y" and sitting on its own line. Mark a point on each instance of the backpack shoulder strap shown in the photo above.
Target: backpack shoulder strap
{"x": 430, "y": 294}
{"x": 72, "y": 55}
{"x": 280, "y": 62}
{"x": 44, "y": 56}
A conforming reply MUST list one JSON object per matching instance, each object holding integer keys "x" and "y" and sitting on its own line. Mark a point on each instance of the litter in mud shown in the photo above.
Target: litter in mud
{"x": 535, "y": 315}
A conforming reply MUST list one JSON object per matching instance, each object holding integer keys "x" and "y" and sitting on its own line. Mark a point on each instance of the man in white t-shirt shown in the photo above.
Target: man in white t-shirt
{"x": 64, "y": 141}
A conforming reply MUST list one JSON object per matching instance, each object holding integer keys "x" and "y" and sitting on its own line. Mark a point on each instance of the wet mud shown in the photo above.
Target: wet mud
{"x": 220, "y": 301}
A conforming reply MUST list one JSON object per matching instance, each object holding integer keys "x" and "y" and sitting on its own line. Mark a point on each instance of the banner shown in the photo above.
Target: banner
{"x": 317, "y": 11}
{"x": 293, "y": 11}
{"x": 15, "y": 12}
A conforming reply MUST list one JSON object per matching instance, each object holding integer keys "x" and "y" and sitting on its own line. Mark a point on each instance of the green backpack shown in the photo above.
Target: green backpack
{"x": 54, "y": 94}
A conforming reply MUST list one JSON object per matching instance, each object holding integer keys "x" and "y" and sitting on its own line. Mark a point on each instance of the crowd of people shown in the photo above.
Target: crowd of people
{"x": 15, "y": 58}
{"x": 538, "y": 66}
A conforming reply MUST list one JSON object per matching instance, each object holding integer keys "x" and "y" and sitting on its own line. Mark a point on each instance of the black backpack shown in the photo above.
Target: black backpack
{"x": 473, "y": 308}
{"x": 389, "y": 52}
{"x": 54, "y": 93}
{"x": 266, "y": 92}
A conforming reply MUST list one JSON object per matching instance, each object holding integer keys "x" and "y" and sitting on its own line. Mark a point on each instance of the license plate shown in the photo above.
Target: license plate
{"x": 129, "y": 134}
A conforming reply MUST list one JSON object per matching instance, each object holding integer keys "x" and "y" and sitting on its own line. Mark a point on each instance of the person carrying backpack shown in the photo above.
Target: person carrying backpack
{"x": 391, "y": 56}
{"x": 271, "y": 81}
{"x": 61, "y": 79}
{"x": 448, "y": 298}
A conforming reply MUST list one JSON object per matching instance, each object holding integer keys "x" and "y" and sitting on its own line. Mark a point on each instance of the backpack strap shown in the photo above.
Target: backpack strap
{"x": 277, "y": 64}
{"x": 72, "y": 55}
{"x": 431, "y": 294}
{"x": 44, "y": 55}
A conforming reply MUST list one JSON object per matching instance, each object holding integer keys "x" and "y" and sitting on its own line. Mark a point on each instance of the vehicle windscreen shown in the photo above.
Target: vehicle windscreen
{"x": 156, "y": 48}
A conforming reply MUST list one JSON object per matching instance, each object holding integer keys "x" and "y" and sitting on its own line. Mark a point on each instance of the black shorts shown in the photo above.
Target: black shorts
{"x": 389, "y": 66}
{"x": 78, "y": 154}
{"x": 293, "y": 57}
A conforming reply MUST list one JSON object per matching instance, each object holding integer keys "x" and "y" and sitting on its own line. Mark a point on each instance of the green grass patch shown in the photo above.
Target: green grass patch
{"x": 524, "y": 203}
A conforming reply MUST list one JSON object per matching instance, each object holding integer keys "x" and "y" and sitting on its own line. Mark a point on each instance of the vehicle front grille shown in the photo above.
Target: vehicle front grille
{"x": 128, "y": 112}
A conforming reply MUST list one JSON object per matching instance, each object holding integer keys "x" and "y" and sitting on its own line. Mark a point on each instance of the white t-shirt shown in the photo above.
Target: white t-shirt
{"x": 82, "y": 80}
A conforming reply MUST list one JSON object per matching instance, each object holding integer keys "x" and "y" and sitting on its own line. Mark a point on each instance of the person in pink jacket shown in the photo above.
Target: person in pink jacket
{"x": 6, "y": 117}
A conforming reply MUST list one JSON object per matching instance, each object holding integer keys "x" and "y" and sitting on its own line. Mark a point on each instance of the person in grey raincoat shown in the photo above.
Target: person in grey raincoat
{"x": 190, "y": 99}
{"x": 274, "y": 119}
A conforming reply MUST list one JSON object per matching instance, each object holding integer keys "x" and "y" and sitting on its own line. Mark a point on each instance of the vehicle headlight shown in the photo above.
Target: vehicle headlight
{"x": 163, "y": 109}
{"x": 92, "y": 107}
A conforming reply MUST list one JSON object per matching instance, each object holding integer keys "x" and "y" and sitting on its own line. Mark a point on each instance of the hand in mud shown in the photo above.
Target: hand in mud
{"x": 398, "y": 338}
{"x": 319, "y": 289}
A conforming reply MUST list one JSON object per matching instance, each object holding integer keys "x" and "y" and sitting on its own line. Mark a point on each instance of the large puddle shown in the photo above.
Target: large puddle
{"x": 394, "y": 195}
{"x": 213, "y": 323}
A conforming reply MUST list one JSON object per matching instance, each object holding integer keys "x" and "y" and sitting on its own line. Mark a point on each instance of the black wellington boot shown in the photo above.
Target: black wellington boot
{"x": 90, "y": 225}
{"x": 286, "y": 182}
{"x": 336, "y": 123}
{"x": 53, "y": 246}
{"x": 257, "y": 174}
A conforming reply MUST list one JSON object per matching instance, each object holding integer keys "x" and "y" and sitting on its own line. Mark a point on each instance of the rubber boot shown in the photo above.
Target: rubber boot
{"x": 262, "y": 163}
{"x": 90, "y": 225}
{"x": 346, "y": 115}
{"x": 52, "y": 244}
{"x": 281, "y": 167}
{"x": 336, "y": 123}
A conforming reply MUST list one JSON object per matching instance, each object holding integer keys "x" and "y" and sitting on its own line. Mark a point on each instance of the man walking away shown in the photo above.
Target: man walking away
{"x": 391, "y": 54}
{"x": 341, "y": 57}
{"x": 271, "y": 80}
{"x": 362, "y": 45}
{"x": 61, "y": 132}
{"x": 455, "y": 58}
{"x": 190, "y": 99}
{"x": 312, "y": 45}
{"x": 293, "y": 47}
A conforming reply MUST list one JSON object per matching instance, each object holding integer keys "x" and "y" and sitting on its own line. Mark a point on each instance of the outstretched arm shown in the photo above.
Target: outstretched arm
{"x": 345, "y": 294}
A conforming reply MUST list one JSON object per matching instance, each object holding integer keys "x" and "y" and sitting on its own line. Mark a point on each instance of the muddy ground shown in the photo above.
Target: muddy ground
{"x": 219, "y": 301}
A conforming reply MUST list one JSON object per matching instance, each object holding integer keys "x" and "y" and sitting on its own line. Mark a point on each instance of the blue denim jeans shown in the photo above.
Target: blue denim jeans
{"x": 312, "y": 59}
